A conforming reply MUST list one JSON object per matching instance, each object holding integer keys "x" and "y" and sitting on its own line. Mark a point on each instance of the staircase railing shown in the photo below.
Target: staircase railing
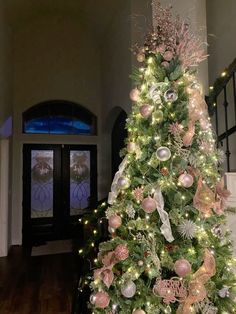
{"x": 224, "y": 88}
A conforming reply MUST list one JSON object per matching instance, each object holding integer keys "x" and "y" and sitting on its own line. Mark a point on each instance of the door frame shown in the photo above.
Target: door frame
{"x": 61, "y": 176}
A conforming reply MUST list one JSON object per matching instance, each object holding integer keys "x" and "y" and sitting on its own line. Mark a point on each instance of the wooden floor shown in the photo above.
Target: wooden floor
{"x": 36, "y": 285}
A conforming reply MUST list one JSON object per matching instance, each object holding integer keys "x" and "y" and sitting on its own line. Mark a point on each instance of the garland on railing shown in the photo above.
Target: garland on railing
{"x": 218, "y": 86}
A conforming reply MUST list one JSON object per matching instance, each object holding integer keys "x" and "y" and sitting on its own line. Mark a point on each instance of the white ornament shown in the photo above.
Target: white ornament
{"x": 129, "y": 289}
{"x": 130, "y": 211}
{"x": 187, "y": 229}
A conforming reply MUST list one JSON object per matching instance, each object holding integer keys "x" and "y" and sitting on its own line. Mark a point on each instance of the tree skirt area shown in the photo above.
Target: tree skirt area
{"x": 52, "y": 247}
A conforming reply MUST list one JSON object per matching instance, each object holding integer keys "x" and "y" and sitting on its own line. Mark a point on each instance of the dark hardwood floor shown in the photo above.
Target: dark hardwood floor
{"x": 36, "y": 285}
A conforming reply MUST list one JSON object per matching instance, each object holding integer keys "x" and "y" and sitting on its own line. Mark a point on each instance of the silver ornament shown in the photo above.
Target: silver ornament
{"x": 170, "y": 95}
{"x": 129, "y": 289}
{"x": 187, "y": 229}
{"x": 205, "y": 307}
{"x": 123, "y": 183}
{"x": 154, "y": 94}
{"x": 92, "y": 298}
{"x": 163, "y": 153}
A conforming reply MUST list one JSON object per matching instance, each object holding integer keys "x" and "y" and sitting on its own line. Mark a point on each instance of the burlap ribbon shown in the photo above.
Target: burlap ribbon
{"x": 196, "y": 288}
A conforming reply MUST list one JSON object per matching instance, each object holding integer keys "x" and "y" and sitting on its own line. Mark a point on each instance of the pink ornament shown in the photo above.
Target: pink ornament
{"x": 140, "y": 57}
{"x": 134, "y": 94}
{"x": 102, "y": 299}
{"x": 168, "y": 56}
{"x": 165, "y": 64}
{"x": 182, "y": 267}
{"x": 139, "y": 311}
{"x": 115, "y": 221}
{"x": 186, "y": 180}
{"x": 122, "y": 252}
{"x": 171, "y": 290}
{"x": 149, "y": 205}
{"x": 131, "y": 147}
{"x": 146, "y": 110}
{"x": 161, "y": 48}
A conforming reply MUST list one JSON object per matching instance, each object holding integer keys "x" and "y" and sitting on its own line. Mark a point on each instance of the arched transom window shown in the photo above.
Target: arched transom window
{"x": 59, "y": 117}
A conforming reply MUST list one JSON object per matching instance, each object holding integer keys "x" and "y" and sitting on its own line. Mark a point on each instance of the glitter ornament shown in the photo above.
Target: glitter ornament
{"x": 138, "y": 194}
{"x": 121, "y": 252}
{"x": 187, "y": 229}
{"x": 205, "y": 307}
{"x": 157, "y": 116}
{"x": 186, "y": 180}
{"x": 224, "y": 292}
{"x": 134, "y": 94}
{"x": 168, "y": 55}
{"x": 114, "y": 221}
{"x": 217, "y": 231}
{"x": 164, "y": 171}
{"x": 129, "y": 289}
{"x": 123, "y": 183}
{"x": 163, "y": 153}
{"x": 146, "y": 110}
{"x": 140, "y": 57}
{"x": 139, "y": 311}
{"x": 131, "y": 147}
{"x": 170, "y": 95}
{"x": 102, "y": 299}
{"x": 182, "y": 267}
{"x": 149, "y": 205}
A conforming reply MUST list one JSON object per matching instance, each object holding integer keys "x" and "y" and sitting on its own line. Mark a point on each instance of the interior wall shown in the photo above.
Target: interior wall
{"x": 116, "y": 65}
{"x": 129, "y": 27}
{"x": 54, "y": 58}
{"x": 5, "y": 67}
{"x": 221, "y": 24}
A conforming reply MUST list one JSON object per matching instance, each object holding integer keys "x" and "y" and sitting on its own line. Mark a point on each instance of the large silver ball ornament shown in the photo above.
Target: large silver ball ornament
{"x": 186, "y": 180}
{"x": 129, "y": 289}
{"x": 163, "y": 153}
{"x": 123, "y": 183}
{"x": 170, "y": 95}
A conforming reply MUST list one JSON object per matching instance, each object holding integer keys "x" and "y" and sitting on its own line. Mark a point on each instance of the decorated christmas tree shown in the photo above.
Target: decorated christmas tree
{"x": 170, "y": 250}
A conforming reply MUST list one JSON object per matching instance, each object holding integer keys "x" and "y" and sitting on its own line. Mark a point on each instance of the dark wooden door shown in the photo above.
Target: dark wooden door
{"x": 59, "y": 186}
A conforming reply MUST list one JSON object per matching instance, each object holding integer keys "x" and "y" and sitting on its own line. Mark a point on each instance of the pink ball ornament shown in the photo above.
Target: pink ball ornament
{"x": 139, "y": 311}
{"x": 182, "y": 267}
{"x": 186, "y": 180}
{"x": 161, "y": 48}
{"x": 121, "y": 252}
{"x": 168, "y": 56}
{"x": 134, "y": 94}
{"x": 115, "y": 221}
{"x": 102, "y": 300}
{"x": 149, "y": 205}
{"x": 146, "y": 110}
{"x": 131, "y": 147}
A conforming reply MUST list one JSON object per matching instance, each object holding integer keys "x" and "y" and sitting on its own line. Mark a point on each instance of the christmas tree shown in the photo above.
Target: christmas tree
{"x": 170, "y": 250}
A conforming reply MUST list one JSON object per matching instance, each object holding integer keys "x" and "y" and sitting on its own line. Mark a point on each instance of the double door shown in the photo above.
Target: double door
{"x": 59, "y": 186}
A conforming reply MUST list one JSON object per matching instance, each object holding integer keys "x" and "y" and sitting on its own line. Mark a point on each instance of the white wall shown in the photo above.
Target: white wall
{"x": 221, "y": 24}
{"x": 54, "y": 58}
{"x": 5, "y": 67}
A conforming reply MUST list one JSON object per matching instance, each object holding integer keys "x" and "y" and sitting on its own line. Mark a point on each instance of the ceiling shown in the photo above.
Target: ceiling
{"x": 95, "y": 14}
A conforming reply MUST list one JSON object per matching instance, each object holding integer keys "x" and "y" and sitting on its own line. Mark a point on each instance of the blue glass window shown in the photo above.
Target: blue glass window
{"x": 59, "y": 118}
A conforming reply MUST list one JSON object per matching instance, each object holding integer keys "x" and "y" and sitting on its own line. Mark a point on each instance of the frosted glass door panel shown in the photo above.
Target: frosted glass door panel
{"x": 79, "y": 181}
{"x": 42, "y": 183}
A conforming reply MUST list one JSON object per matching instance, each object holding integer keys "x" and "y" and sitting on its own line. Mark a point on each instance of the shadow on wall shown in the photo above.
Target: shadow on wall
{"x": 116, "y": 124}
